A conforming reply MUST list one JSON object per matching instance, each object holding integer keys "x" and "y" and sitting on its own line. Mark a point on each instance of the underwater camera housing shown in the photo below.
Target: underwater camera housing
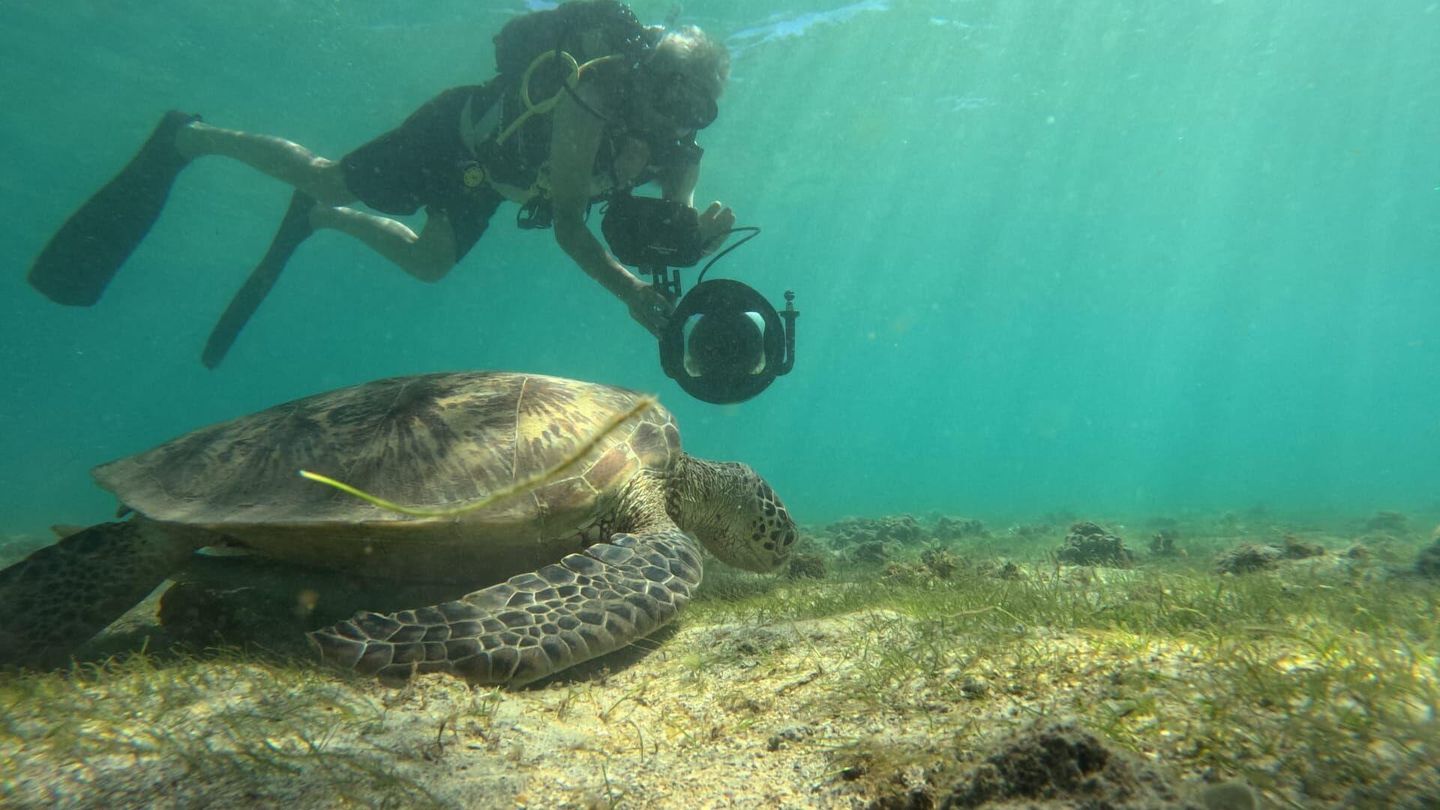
{"x": 725, "y": 343}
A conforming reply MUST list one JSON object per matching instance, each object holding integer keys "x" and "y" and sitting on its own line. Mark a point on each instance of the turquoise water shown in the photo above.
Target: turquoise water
{"x": 1120, "y": 257}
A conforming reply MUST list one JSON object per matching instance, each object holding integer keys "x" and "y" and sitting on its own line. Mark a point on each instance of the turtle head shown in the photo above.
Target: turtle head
{"x": 734, "y": 513}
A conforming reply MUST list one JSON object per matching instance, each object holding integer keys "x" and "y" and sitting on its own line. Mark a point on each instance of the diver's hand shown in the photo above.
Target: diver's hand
{"x": 650, "y": 309}
{"x": 715, "y": 224}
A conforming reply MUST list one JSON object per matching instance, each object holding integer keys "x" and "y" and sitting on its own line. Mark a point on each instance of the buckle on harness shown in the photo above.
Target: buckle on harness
{"x": 472, "y": 174}
{"x": 535, "y": 213}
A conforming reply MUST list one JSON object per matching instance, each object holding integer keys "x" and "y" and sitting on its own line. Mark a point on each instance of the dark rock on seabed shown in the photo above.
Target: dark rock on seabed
{"x": 1089, "y": 544}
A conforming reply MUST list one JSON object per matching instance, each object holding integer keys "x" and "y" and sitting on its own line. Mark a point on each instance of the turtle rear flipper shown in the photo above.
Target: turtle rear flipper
{"x": 59, "y": 597}
{"x": 531, "y": 625}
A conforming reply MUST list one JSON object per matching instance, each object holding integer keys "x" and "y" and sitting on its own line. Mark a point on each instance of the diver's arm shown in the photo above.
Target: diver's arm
{"x": 574, "y": 142}
{"x": 716, "y": 220}
{"x": 678, "y": 183}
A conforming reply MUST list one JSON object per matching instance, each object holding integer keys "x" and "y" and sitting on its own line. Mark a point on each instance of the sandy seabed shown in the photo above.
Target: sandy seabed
{"x": 903, "y": 663}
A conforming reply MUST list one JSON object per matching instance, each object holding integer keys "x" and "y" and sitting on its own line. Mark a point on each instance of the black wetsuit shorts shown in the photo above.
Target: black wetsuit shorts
{"x": 424, "y": 162}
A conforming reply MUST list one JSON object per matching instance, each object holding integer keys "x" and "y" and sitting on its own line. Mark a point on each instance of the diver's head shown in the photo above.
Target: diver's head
{"x": 684, "y": 77}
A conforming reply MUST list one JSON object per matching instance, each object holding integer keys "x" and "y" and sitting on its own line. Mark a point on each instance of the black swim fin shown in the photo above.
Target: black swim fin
{"x": 84, "y": 254}
{"x": 294, "y": 229}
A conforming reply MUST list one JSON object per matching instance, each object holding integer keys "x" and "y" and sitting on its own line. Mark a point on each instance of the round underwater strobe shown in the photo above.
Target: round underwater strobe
{"x": 725, "y": 343}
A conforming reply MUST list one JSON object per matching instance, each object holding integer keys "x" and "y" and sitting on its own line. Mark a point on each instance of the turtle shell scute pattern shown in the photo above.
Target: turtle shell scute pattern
{"x": 433, "y": 440}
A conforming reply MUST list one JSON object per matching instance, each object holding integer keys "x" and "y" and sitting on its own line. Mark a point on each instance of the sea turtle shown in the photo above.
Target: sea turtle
{"x": 576, "y": 566}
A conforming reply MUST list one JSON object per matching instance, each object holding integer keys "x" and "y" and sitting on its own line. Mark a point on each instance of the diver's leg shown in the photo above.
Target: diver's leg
{"x": 283, "y": 160}
{"x": 294, "y": 229}
{"x": 80, "y": 259}
{"x": 428, "y": 255}
{"x": 392, "y": 185}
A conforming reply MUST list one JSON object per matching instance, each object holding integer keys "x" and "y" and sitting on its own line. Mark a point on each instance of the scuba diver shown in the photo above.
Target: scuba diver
{"x": 586, "y": 102}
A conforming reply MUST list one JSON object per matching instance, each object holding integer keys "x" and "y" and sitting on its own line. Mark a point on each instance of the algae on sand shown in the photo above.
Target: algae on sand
{"x": 1314, "y": 682}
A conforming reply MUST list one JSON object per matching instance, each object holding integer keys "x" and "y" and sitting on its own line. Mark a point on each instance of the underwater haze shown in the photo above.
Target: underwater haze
{"x": 1117, "y": 257}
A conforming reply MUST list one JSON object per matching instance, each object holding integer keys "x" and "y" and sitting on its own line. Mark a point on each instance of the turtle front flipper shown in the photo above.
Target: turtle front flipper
{"x": 59, "y": 597}
{"x": 531, "y": 625}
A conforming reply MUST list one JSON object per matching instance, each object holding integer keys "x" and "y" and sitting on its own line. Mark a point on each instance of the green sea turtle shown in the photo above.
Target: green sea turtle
{"x": 582, "y": 564}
